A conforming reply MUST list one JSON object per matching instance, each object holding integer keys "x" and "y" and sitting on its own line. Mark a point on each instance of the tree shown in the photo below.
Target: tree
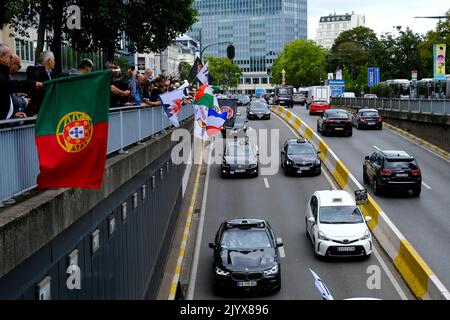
{"x": 184, "y": 70}
{"x": 304, "y": 63}
{"x": 224, "y": 72}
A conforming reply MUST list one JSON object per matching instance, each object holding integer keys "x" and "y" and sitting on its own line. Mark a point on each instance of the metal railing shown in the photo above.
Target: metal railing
{"x": 19, "y": 163}
{"x": 435, "y": 106}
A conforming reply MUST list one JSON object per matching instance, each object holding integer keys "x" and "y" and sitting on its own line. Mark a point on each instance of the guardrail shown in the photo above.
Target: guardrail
{"x": 438, "y": 107}
{"x": 19, "y": 163}
{"x": 418, "y": 276}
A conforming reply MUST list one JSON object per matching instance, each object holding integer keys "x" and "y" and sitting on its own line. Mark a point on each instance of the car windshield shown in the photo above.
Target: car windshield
{"x": 340, "y": 214}
{"x": 238, "y": 150}
{"x": 258, "y": 106}
{"x": 300, "y": 149}
{"x": 398, "y": 164}
{"x": 239, "y": 121}
{"x": 284, "y": 91}
{"x": 236, "y": 239}
{"x": 337, "y": 115}
{"x": 369, "y": 114}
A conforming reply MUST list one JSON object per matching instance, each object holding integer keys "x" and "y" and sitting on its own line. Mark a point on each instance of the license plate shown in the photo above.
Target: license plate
{"x": 304, "y": 168}
{"x": 338, "y": 128}
{"x": 299, "y": 171}
{"x": 247, "y": 284}
{"x": 402, "y": 174}
{"x": 240, "y": 170}
{"x": 345, "y": 249}
{"x": 259, "y": 116}
{"x": 231, "y": 172}
{"x": 371, "y": 123}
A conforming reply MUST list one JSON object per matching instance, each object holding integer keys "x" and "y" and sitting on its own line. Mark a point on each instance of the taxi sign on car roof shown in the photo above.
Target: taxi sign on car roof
{"x": 334, "y": 200}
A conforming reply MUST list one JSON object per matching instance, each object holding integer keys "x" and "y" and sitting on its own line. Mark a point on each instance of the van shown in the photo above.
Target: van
{"x": 283, "y": 96}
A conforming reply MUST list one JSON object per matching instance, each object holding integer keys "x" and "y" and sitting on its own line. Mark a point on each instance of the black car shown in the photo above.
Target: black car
{"x": 246, "y": 256}
{"x": 284, "y": 96}
{"x": 392, "y": 170}
{"x": 367, "y": 118}
{"x": 243, "y": 99}
{"x": 335, "y": 121}
{"x": 300, "y": 157}
{"x": 239, "y": 158}
{"x": 258, "y": 109}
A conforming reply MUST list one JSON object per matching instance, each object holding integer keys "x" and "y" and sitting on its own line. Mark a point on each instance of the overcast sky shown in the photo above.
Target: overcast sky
{"x": 381, "y": 15}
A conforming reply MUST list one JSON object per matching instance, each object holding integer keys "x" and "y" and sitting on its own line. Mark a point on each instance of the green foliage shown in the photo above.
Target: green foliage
{"x": 304, "y": 63}
{"x": 184, "y": 70}
{"x": 224, "y": 72}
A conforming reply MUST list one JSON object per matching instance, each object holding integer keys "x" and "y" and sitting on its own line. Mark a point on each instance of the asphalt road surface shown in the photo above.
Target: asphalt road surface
{"x": 282, "y": 201}
{"x": 424, "y": 221}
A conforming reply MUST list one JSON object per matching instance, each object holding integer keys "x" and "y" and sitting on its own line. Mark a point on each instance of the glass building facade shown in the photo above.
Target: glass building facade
{"x": 259, "y": 29}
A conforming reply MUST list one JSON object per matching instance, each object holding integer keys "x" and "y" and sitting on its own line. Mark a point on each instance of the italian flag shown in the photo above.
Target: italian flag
{"x": 72, "y": 131}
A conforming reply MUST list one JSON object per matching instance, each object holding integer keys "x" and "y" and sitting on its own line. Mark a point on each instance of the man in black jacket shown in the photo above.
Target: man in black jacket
{"x": 8, "y": 86}
{"x": 41, "y": 73}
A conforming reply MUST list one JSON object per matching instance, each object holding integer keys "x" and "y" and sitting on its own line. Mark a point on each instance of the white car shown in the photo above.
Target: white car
{"x": 336, "y": 226}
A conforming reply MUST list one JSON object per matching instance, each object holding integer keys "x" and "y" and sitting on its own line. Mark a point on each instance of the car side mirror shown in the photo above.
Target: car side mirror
{"x": 368, "y": 218}
{"x": 279, "y": 243}
{"x": 283, "y": 152}
{"x": 312, "y": 220}
{"x": 367, "y": 157}
{"x": 212, "y": 245}
{"x": 319, "y": 152}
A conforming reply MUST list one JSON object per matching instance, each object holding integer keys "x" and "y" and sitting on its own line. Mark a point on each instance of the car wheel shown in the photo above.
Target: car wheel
{"x": 416, "y": 191}
{"x": 365, "y": 177}
{"x": 376, "y": 187}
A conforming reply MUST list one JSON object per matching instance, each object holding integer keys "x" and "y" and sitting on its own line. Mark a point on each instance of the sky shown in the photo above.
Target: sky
{"x": 381, "y": 15}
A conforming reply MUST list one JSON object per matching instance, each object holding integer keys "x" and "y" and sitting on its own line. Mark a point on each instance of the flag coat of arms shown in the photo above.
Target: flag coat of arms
{"x": 201, "y": 115}
{"x": 172, "y": 102}
{"x": 72, "y": 131}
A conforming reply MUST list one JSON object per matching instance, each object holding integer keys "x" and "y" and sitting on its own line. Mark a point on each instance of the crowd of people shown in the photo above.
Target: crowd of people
{"x": 22, "y": 98}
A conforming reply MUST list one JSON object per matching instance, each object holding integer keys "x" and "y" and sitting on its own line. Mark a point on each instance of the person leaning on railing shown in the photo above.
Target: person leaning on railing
{"x": 119, "y": 89}
{"x": 8, "y": 86}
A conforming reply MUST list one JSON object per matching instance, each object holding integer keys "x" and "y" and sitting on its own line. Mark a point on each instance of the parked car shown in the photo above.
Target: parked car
{"x": 335, "y": 121}
{"x": 318, "y": 106}
{"x": 367, "y": 118}
{"x": 246, "y": 256}
{"x": 392, "y": 170}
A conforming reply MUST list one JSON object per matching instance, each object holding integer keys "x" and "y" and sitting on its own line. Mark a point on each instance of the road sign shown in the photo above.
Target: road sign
{"x": 330, "y": 76}
{"x": 373, "y": 76}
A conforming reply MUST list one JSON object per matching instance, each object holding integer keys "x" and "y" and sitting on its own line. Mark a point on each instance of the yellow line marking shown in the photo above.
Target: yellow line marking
{"x": 413, "y": 269}
{"x": 182, "y": 250}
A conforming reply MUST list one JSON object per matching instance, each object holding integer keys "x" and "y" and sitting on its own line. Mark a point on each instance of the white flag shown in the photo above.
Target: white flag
{"x": 326, "y": 295}
{"x": 201, "y": 115}
{"x": 203, "y": 74}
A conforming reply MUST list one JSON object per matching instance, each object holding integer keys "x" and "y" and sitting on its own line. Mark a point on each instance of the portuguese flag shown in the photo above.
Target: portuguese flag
{"x": 72, "y": 131}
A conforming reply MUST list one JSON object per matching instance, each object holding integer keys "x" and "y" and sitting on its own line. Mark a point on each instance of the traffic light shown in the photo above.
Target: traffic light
{"x": 230, "y": 52}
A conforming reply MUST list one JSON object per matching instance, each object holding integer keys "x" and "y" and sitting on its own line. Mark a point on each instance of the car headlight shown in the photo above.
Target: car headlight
{"x": 251, "y": 113}
{"x": 289, "y": 162}
{"x": 272, "y": 271}
{"x": 268, "y": 112}
{"x": 221, "y": 272}
{"x": 366, "y": 235}
{"x": 322, "y": 236}
{"x": 317, "y": 162}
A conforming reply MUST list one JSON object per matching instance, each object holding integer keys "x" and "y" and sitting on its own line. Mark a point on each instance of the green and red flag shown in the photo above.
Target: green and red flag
{"x": 205, "y": 97}
{"x": 72, "y": 131}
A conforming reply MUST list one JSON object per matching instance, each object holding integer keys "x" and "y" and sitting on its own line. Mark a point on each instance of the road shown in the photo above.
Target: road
{"x": 282, "y": 201}
{"x": 424, "y": 221}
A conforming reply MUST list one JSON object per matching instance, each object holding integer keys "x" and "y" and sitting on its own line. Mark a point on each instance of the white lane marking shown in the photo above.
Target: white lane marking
{"x": 390, "y": 275}
{"x": 375, "y": 251}
{"x": 418, "y": 144}
{"x": 426, "y": 186}
{"x": 266, "y": 182}
{"x": 281, "y": 249}
{"x": 198, "y": 240}
{"x": 378, "y": 149}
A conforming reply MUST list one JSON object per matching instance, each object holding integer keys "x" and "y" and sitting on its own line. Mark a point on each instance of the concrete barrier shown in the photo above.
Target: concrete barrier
{"x": 418, "y": 276}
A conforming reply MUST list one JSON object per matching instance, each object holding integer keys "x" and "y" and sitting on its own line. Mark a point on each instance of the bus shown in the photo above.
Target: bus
{"x": 428, "y": 88}
{"x": 401, "y": 88}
